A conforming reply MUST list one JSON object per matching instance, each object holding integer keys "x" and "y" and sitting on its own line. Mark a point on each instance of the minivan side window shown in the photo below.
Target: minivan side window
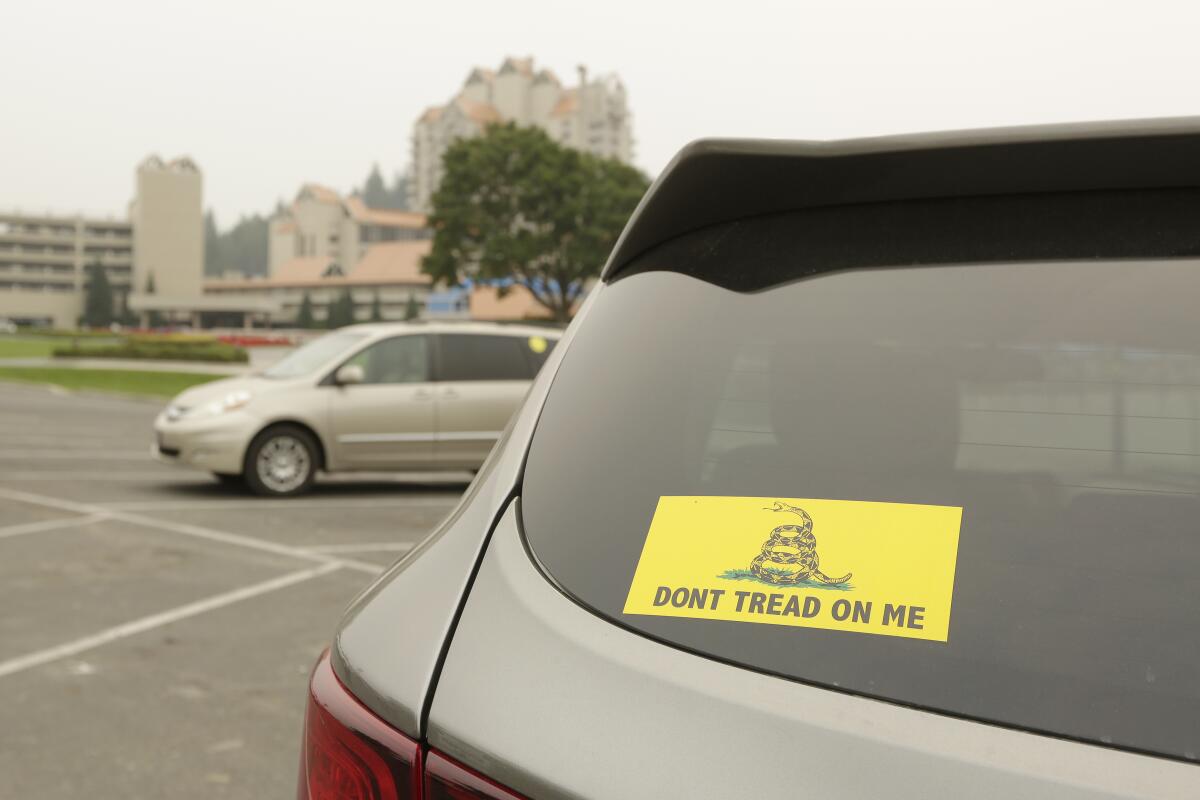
{"x": 476, "y": 357}
{"x": 401, "y": 359}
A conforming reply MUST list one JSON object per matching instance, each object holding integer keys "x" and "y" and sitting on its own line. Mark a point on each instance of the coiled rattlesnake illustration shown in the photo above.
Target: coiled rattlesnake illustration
{"x": 792, "y": 551}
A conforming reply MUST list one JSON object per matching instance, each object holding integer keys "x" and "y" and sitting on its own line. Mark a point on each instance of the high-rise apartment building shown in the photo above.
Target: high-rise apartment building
{"x": 592, "y": 116}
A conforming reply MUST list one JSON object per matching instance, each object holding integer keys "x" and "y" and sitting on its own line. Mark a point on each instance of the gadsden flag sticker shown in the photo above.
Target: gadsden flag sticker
{"x": 845, "y": 565}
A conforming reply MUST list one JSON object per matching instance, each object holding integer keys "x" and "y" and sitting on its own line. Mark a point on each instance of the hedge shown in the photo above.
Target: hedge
{"x": 158, "y": 350}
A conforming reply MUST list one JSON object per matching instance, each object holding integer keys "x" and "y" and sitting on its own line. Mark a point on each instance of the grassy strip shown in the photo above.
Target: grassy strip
{"x": 20, "y": 347}
{"x": 124, "y": 381}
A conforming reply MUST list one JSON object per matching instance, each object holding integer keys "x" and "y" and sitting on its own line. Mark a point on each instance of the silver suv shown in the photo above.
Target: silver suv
{"x": 868, "y": 470}
{"x": 365, "y": 397}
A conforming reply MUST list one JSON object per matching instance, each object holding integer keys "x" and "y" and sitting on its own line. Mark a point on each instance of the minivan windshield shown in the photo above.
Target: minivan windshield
{"x": 311, "y": 356}
{"x": 1057, "y": 404}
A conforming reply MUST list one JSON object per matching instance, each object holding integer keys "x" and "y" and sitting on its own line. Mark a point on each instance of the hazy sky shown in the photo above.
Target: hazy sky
{"x": 265, "y": 95}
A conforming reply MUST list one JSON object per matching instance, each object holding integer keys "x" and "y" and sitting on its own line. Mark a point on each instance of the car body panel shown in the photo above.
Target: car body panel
{"x": 382, "y": 426}
{"x": 390, "y": 642}
{"x": 719, "y": 180}
{"x": 469, "y": 646}
{"x": 471, "y": 416}
{"x": 218, "y": 442}
{"x": 553, "y": 701}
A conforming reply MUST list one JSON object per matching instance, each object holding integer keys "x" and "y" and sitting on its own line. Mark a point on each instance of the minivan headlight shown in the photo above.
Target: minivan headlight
{"x": 230, "y": 402}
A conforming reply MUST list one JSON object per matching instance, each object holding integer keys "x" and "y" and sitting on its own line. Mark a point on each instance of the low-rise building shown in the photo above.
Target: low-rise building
{"x": 153, "y": 259}
{"x": 44, "y": 262}
{"x": 321, "y": 223}
{"x": 388, "y": 273}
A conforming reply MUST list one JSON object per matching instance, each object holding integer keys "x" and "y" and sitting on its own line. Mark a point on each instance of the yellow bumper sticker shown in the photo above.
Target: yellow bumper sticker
{"x": 845, "y": 565}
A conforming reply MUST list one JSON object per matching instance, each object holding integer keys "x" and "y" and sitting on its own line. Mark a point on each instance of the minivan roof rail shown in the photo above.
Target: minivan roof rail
{"x": 712, "y": 181}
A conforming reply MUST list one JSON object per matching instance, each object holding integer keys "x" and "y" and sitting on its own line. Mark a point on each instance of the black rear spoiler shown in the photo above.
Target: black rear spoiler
{"x": 713, "y": 181}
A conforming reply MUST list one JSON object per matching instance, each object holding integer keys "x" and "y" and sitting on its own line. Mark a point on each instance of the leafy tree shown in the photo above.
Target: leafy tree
{"x": 376, "y": 309}
{"x": 304, "y": 317}
{"x": 413, "y": 309}
{"x": 516, "y": 205}
{"x": 341, "y": 310}
{"x": 98, "y": 302}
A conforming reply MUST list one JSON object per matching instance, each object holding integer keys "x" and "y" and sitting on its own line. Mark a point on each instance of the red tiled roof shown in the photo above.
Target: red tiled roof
{"x": 384, "y": 216}
{"x": 393, "y": 262}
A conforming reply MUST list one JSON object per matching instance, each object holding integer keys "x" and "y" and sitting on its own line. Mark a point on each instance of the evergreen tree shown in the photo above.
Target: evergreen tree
{"x": 243, "y": 248}
{"x": 413, "y": 309}
{"x": 376, "y": 309}
{"x": 398, "y": 199}
{"x": 214, "y": 255}
{"x": 304, "y": 317}
{"x": 341, "y": 310}
{"x": 374, "y": 193}
{"x": 98, "y": 303}
{"x": 155, "y": 319}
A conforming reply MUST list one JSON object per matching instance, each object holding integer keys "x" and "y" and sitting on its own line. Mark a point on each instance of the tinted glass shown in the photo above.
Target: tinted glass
{"x": 401, "y": 359}
{"x": 1058, "y": 404}
{"x": 537, "y": 349}
{"x": 472, "y": 357}
{"x": 312, "y": 356}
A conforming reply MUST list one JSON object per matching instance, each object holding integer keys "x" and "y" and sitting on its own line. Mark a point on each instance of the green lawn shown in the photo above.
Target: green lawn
{"x": 26, "y": 347}
{"x": 128, "y": 381}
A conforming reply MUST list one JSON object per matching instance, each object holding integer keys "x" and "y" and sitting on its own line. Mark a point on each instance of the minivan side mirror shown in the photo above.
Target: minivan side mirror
{"x": 349, "y": 375}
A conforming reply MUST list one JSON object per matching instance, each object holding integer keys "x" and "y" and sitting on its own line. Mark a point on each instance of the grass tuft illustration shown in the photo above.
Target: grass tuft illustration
{"x": 747, "y": 575}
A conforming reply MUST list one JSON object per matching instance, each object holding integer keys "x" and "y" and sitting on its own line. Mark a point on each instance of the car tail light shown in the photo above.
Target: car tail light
{"x": 449, "y": 780}
{"x": 351, "y": 754}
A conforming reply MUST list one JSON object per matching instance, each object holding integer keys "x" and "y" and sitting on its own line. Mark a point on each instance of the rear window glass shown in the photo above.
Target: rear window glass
{"x": 1056, "y": 404}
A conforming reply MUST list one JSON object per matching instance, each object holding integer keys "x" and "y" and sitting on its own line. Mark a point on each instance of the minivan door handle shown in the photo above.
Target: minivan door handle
{"x": 449, "y": 393}
{"x": 422, "y": 394}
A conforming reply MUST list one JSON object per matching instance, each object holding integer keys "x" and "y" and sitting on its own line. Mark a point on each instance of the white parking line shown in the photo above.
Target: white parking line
{"x": 49, "y": 525}
{"x": 67, "y": 475}
{"x": 78, "y": 455}
{"x": 369, "y": 547}
{"x": 190, "y": 530}
{"x": 20, "y": 663}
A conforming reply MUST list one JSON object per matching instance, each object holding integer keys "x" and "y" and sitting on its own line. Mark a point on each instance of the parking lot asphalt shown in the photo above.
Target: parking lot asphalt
{"x": 157, "y": 628}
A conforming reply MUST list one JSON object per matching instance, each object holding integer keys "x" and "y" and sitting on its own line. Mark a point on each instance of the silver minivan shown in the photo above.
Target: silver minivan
{"x": 387, "y": 396}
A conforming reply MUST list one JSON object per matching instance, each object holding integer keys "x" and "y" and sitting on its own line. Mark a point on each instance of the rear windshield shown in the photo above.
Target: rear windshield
{"x": 1021, "y": 440}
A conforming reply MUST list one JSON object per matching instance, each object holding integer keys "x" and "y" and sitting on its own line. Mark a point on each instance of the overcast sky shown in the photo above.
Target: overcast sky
{"x": 266, "y": 95}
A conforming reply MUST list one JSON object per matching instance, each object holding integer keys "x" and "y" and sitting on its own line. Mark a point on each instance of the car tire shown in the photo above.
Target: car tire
{"x": 281, "y": 462}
